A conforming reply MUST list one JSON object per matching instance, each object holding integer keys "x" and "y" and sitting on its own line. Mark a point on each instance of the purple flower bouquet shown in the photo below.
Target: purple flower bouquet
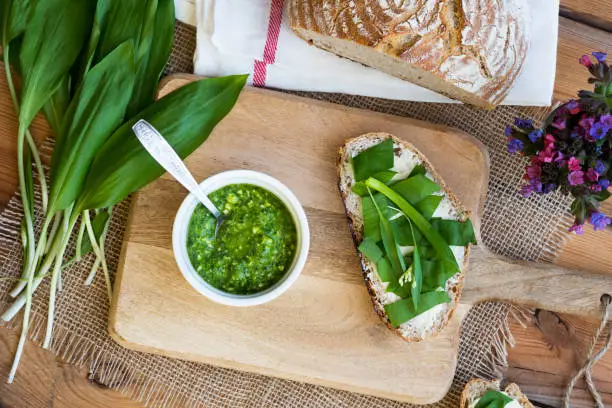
{"x": 572, "y": 151}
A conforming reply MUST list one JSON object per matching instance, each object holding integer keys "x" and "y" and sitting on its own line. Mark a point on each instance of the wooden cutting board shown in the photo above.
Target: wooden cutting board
{"x": 322, "y": 330}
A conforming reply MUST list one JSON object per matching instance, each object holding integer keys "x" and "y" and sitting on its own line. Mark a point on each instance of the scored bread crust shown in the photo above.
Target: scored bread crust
{"x": 476, "y": 388}
{"x": 468, "y": 50}
{"x": 352, "y": 204}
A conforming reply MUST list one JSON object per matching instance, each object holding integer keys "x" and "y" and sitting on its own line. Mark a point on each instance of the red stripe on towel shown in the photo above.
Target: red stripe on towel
{"x": 260, "y": 67}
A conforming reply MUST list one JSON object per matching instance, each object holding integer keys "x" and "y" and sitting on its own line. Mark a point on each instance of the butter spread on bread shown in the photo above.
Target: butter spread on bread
{"x": 469, "y": 50}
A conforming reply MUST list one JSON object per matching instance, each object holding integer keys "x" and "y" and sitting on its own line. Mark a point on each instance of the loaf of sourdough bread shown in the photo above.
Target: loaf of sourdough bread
{"x": 469, "y": 50}
{"x": 430, "y": 323}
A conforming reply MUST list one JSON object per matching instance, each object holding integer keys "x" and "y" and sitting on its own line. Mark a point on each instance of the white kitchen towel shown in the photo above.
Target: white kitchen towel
{"x": 185, "y": 11}
{"x": 252, "y": 36}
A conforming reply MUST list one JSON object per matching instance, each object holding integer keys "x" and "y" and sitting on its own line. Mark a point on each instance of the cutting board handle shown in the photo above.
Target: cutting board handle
{"x": 538, "y": 285}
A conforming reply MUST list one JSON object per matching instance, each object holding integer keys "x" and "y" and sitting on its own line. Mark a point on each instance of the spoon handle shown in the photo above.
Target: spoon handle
{"x": 165, "y": 155}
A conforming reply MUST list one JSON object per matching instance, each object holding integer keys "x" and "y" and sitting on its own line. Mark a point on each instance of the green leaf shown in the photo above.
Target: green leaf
{"x": 388, "y": 238}
{"x": 184, "y": 117}
{"x": 385, "y": 176}
{"x": 400, "y": 290}
{"x": 418, "y": 169}
{"x": 98, "y": 225}
{"x": 421, "y": 223}
{"x": 371, "y": 220}
{"x": 373, "y": 160}
{"x": 455, "y": 232}
{"x": 452, "y": 232}
{"x": 428, "y": 206}
{"x": 131, "y": 14}
{"x": 5, "y": 19}
{"x": 85, "y": 58}
{"x": 416, "y": 188}
{"x": 391, "y": 247}
{"x": 403, "y": 310}
{"x": 603, "y": 195}
{"x": 15, "y": 50}
{"x": 403, "y": 234}
{"x": 96, "y": 111}
{"x": 152, "y": 62}
{"x": 52, "y": 41}
{"x": 384, "y": 270}
{"x": 434, "y": 275}
{"x": 370, "y": 250}
{"x": 493, "y": 399}
{"x": 19, "y": 13}
{"x": 417, "y": 273}
{"x": 56, "y": 106}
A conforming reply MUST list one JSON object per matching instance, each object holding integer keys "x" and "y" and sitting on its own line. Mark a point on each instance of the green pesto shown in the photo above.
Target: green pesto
{"x": 255, "y": 245}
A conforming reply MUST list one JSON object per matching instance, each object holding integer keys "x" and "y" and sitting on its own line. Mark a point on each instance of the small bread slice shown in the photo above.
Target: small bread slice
{"x": 430, "y": 323}
{"x": 476, "y": 388}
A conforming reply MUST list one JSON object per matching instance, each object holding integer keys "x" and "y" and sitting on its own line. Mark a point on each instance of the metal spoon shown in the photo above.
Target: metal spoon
{"x": 165, "y": 155}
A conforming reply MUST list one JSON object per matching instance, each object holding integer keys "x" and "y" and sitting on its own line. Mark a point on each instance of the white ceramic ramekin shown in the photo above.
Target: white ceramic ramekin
{"x": 181, "y": 225}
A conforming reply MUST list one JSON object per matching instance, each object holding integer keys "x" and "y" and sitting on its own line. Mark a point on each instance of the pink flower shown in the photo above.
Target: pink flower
{"x": 592, "y": 175}
{"x": 547, "y": 155}
{"x": 534, "y": 171}
{"x": 559, "y": 123}
{"x": 577, "y": 228}
{"x": 549, "y": 140}
{"x": 574, "y": 164}
{"x": 576, "y": 178}
{"x": 586, "y": 124}
{"x": 586, "y": 61}
{"x": 573, "y": 107}
{"x": 596, "y": 188}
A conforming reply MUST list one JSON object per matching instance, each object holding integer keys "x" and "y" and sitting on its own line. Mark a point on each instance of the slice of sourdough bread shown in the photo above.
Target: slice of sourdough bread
{"x": 476, "y": 388}
{"x": 430, "y": 323}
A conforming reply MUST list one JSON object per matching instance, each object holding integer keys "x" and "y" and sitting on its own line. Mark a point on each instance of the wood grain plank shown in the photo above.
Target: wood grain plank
{"x": 44, "y": 382}
{"x": 595, "y": 13}
{"x": 73, "y": 390}
{"x": 594, "y": 246}
{"x": 576, "y": 39}
{"x": 549, "y": 350}
{"x": 35, "y": 387}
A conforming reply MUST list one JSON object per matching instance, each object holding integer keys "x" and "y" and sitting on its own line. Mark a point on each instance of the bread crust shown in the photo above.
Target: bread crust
{"x": 476, "y": 387}
{"x": 454, "y": 290}
{"x": 477, "y": 47}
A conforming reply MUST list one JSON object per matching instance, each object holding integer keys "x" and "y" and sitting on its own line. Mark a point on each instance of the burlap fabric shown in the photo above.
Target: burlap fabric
{"x": 523, "y": 228}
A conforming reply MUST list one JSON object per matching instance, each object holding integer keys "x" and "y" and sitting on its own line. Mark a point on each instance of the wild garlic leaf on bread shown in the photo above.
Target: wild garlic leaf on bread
{"x": 415, "y": 188}
{"x": 427, "y": 206}
{"x": 402, "y": 234}
{"x": 376, "y": 159}
{"x": 386, "y": 176}
{"x": 453, "y": 233}
{"x": 404, "y": 310}
{"x": 388, "y": 238}
{"x": 433, "y": 236}
{"x": 493, "y": 399}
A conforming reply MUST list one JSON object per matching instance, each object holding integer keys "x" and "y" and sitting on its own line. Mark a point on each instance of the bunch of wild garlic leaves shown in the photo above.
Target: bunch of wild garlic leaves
{"x": 92, "y": 67}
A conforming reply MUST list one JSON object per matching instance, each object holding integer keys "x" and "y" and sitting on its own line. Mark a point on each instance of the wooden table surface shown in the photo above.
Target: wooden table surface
{"x": 549, "y": 347}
